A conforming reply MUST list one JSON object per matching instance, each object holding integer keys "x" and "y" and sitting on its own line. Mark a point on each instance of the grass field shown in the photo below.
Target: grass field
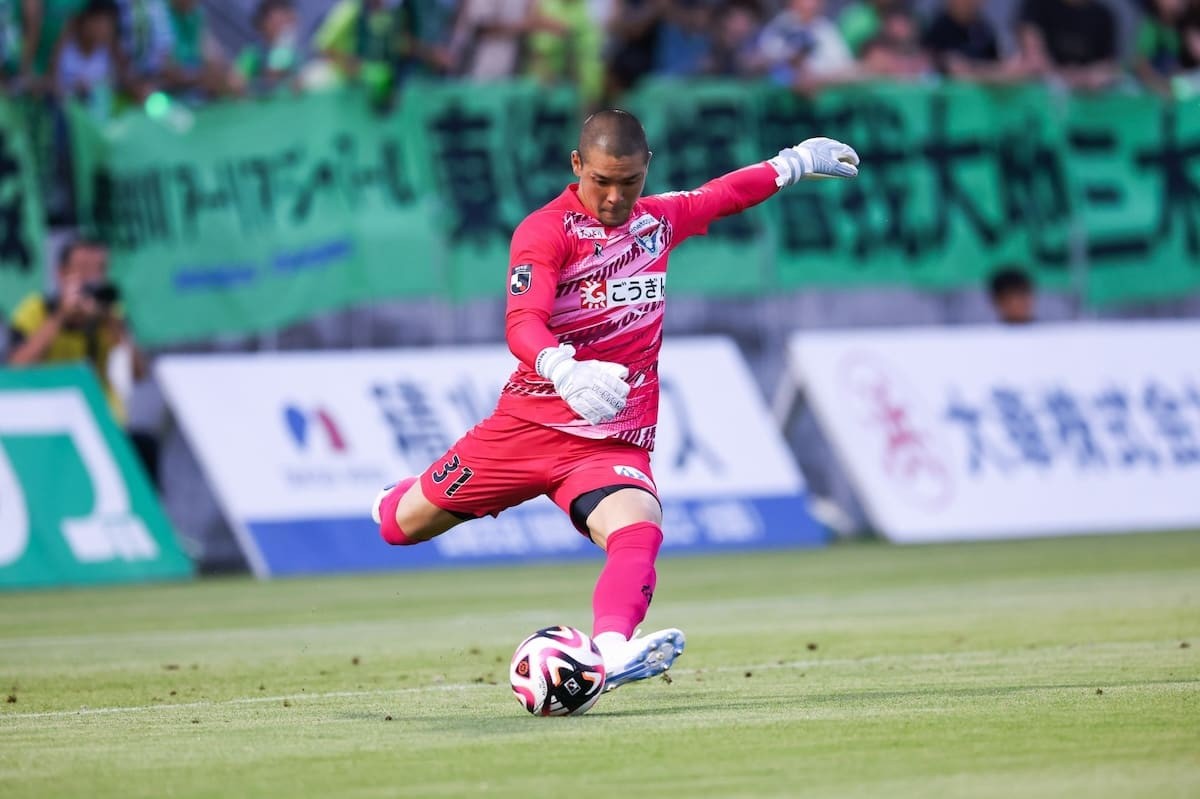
{"x": 1032, "y": 669}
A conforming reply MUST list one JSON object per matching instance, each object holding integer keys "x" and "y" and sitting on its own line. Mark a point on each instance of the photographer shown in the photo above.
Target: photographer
{"x": 81, "y": 321}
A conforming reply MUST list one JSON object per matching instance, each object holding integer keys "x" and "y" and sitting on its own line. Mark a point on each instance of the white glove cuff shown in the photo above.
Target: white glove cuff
{"x": 550, "y": 359}
{"x": 792, "y": 164}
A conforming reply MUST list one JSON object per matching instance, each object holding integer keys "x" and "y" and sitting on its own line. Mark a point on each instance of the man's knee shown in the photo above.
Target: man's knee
{"x": 627, "y": 506}
{"x": 387, "y": 516}
{"x": 407, "y": 517}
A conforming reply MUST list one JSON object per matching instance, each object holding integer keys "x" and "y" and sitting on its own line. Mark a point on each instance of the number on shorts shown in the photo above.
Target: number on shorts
{"x": 448, "y": 468}
{"x": 466, "y": 475}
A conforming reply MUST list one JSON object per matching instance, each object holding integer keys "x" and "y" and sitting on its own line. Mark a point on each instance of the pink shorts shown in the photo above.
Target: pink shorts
{"x": 504, "y": 461}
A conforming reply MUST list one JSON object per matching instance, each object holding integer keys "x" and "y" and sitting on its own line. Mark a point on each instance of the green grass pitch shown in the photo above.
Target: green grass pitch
{"x": 1057, "y": 668}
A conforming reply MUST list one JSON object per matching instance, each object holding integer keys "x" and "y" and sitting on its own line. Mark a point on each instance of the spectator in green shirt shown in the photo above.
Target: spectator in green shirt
{"x": 11, "y": 47}
{"x": 197, "y": 67}
{"x": 146, "y": 45}
{"x": 380, "y": 43}
{"x": 85, "y": 62}
{"x": 1158, "y": 44}
{"x": 862, "y": 20}
{"x": 567, "y": 47}
{"x": 29, "y": 34}
{"x": 275, "y": 59}
{"x": 46, "y": 25}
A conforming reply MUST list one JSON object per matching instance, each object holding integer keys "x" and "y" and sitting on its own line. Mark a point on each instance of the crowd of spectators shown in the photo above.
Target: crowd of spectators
{"x": 108, "y": 52}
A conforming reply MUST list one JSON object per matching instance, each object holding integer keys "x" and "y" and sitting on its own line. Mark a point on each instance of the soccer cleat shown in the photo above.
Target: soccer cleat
{"x": 642, "y": 657}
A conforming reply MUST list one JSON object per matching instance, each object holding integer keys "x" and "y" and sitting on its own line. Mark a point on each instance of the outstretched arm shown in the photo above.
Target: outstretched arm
{"x": 735, "y": 192}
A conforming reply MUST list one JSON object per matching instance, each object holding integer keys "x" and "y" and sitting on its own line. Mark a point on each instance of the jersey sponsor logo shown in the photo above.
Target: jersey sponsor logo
{"x": 636, "y": 474}
{"x": 520, "y": 279}
{"x": 591, "y": 233}
{"x": 647, "y": 232}
{"x": 592, "y": 294}
{"x": 619, "y": 291}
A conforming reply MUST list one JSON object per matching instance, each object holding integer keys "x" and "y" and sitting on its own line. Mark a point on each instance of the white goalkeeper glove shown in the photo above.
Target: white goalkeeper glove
{"x": 814, "y": 158}
{"x": 596, "y": 390}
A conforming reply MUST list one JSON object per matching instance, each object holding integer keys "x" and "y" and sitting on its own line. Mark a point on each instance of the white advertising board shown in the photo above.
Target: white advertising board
{"x": 296, "y": 445}
{"x": 963, "y": 433}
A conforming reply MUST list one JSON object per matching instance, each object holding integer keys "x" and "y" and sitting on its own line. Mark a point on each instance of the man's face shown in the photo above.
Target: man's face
{"x": 964, "y": 9}
{"x": 277, "y": 23}
{"x": 807, "y": 10}
{"x": 608, "y": 185}
{"x": 99, "y": 30}
{"x": 1169, "y": 9}
{"x": 1014, "y": 307}
{"x": 90, "y": 264}
{"x": 86, "y": 266}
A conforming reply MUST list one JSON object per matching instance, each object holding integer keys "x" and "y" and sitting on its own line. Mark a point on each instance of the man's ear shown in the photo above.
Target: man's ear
{"x": 576, "y": 163}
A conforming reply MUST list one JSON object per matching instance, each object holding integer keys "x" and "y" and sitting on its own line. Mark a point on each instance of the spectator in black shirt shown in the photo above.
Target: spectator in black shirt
{"x": 1189, "y": 32}
{"x": 633, "y": 41}
{"x": 734, "y": 52}
{"x": 964, "y": 45}
{"x": 1072, "y": 41}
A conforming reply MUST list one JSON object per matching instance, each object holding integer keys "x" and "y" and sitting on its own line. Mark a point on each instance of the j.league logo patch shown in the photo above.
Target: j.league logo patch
{"x": 520, "y": 279}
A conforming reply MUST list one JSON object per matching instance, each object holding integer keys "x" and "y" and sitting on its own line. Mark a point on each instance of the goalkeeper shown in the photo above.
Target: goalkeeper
{"x": 586, "y": 291}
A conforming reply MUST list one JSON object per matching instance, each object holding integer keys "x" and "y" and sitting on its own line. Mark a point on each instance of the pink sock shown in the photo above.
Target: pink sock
{"x": 388, "y": 527}
{"x": 627, "y": 581}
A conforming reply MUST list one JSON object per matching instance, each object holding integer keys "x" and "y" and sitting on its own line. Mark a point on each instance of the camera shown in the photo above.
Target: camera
{"x": 103, "y": 293}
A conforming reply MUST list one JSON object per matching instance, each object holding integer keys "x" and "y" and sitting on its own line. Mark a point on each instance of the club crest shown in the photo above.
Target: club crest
{"x": 647, "y": 232}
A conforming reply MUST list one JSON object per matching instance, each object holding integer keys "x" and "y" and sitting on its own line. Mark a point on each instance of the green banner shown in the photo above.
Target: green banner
{"x": 247, "y": 216}
{"x": 489, "y": 156}
{"x": 22, "y": 223}
{"x": 1134, "y": 163}
{"x": 696, "y": 134}
{"x": 75, "y": 505}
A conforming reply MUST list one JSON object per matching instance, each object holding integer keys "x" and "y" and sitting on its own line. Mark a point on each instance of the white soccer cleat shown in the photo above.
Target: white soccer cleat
{"x": 642, "y": 657}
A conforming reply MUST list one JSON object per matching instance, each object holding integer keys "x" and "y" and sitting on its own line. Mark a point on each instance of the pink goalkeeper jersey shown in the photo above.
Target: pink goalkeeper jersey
{"x": 573, "y": 281}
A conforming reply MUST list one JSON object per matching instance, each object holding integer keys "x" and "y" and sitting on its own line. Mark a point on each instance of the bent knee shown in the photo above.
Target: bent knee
{"x": 417, "y": 519}
{"x": 621, "y": 509}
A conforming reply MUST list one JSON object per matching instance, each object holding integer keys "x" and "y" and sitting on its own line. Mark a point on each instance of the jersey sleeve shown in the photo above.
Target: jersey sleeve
{"x": 691, "y": 212}
{"x": 537, "y": 255}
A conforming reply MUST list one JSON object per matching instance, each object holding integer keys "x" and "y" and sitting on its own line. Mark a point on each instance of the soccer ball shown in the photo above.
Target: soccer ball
{"x": 557, "y": 671}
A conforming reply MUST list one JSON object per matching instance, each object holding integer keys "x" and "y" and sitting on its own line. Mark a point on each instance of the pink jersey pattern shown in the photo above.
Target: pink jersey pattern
{"x": 603, "y": 290}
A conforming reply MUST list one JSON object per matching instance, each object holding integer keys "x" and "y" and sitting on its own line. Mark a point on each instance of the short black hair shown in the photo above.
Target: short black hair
{"x": 615, "y": 133}
{"x": 1009, "y": 280}
{"x": 100, "y": 8}
{"x": 265, "y": 7}
{"x": 71, "y": 246}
